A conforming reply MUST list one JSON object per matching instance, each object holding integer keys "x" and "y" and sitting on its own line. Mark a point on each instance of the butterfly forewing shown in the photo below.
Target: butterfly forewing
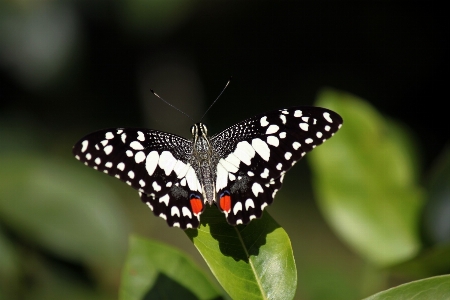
{"x": 256, "y": 153}
{"x": 153, "y": 162}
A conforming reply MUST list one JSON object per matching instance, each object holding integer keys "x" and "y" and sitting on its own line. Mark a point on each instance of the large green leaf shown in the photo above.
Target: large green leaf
{"x": 156, "y": 271}
{"x": 250, "y": 262}
{"x": 425, "y": 289}
{"x": 365, "y": 182}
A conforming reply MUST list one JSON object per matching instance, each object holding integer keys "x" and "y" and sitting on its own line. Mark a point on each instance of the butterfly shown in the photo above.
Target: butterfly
{"x": 239, "y": 169}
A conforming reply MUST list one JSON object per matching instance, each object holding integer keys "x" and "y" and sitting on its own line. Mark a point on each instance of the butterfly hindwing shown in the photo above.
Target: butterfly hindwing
{"x": 257, "y": 152}
{"x": 153, "y": 162}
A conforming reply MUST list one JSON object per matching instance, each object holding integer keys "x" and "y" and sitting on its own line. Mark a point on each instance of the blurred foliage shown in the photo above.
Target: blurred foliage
{"x": 372, "y": 200}
{"x": 381, "y": 184}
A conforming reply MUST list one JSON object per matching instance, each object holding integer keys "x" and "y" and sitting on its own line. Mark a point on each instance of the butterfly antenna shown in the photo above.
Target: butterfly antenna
{"x": 226, "y": 85}
{"x": 172, "y": 105}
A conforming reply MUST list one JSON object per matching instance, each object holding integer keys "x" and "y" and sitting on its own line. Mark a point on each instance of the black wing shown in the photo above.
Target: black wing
{"x": 256, "y": 153}
{"x": 153, "y": 162}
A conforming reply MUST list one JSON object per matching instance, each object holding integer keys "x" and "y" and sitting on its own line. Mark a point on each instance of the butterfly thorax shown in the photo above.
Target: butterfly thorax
{"x": 203, "y": 160}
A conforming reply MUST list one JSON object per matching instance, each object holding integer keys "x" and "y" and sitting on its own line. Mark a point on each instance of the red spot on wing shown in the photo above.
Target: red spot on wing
{"x": 196, "y": 205}
{"x": 225, "y": 203}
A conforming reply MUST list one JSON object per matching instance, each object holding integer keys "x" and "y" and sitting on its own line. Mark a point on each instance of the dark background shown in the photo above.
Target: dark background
{"x": 70, "y": 68}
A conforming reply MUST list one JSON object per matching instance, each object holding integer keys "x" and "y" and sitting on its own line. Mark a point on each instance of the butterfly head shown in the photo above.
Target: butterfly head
{"x": 199, "y": 130}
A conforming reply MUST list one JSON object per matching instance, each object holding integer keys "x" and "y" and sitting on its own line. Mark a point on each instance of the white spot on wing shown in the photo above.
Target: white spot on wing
{"x": 261, "y": 148}
{"x": 136, "y": 145}
{"x": 282, "y": 135}
{"x": 108, "y": 164}
{"x": 327, "y": 128}
{"x": 296, "y": 145}
{"x": 298, "y": 113}
{"x": 123, "y": 137}
{"x": 167, "y": 162}
{"x": 180, "y": 168}
{"x": 164, "y": 199}
{"x": 140, "y": 136}
{"x": 186, "y": 212}
{"x": 304, "y": 126}
{"x": 98, "y": 160}
{"x": 129, "y": 153}
{"x": 192, "y": 181}
{"x": 156, "y": 186}
{"x": 237, "y": 207}
{"x": 279, "y": 166}
{"x": 319, "y": 134}
{"x": 265, "y": 174}
{"x": 228, "y": 166}
{"x": 142, "y": 183}
{"x": 175, "y": 211}
{"x": 273, "y": 140}
{"x": 256, "y": 189}
{"x": 232, "y": 159}
{"x": 272, "y": 129}
{"x": 84, "y": 145}
{"x": 222, "y": 177}
{"x": 288, "y": 155}
{"x": 121, "y": 166}
{"x": 283, "y": 119}
{"x": 151, "y": 162}
{"x": 139, "y": 157}
{"x": 109, "y": 135}
{"x": 264, "y": 122}
{"x": 263, "y": 205}
{"x": 327, "y": 117}
{"x": 131, "y": 174}
{"x": 108, "y": 149}
{"x": 249, "y": 203}
{"x": 245, "y": 152}
{"x": 308, "y": 141}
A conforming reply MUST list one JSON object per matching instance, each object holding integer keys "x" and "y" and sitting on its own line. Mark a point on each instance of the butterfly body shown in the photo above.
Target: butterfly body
{"x": 239, "y": 170}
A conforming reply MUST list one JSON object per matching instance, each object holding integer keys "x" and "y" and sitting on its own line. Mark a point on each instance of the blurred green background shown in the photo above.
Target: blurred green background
{"x": 68, "y": 68}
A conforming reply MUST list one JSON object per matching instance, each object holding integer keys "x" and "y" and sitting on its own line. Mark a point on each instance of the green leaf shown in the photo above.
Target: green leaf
{"x": 156, "y": 271}
{"x": 250, "y": 262}
{"x": 430, "y": 288}
{"x": 365, "y": 182}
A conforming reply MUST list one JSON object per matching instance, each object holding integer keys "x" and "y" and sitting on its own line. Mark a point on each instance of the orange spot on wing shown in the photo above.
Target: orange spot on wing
{"x": 196, "y": 205}
{"x": 225, "y": 203}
